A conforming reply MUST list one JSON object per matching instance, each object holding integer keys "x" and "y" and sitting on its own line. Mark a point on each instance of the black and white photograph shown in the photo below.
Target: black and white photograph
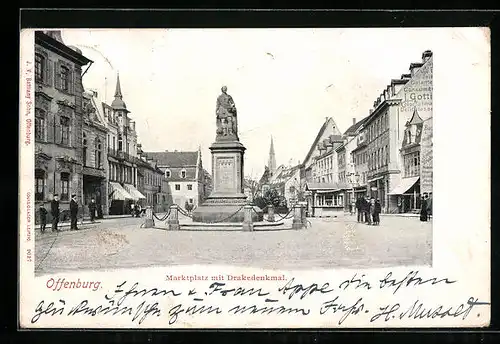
{"x": 271, "y": 149}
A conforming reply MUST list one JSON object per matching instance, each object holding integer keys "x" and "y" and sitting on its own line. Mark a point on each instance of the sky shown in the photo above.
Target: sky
{"x": 285, "y": 82}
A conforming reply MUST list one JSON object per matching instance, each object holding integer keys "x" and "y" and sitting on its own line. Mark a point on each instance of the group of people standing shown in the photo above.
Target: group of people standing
{"x": 368, "y": 210}
{"x": 73, "y": 212}
{"x": 136, "y": 210}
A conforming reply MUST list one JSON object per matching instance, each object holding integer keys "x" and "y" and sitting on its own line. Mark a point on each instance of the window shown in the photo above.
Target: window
{"x": 39, "y": 125}
{"x": 39, "y": 185}
{"x": 177, "y": 187}
{"x": 39, "y": 67}
{"x": 64, "y": 121}
{"x": 190, "y": 201}
{"x": 64, "y": 186}
{"x": 114, "y": 145}
{"x": 292, "y": 189}
{"x": 84, "y": 149}
{"x": 168, "y": 173}
{"x": 120, "y": 142}
{"x": 98, "y": 153}
{"x": 183, "y": 174}
{"x": 190, "y": 187}
{"x": 64, "y": 78}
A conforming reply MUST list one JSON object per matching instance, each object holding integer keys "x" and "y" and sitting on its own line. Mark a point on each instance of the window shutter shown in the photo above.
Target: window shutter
{"x": 57, "y": 79}
{"x": 50, "y": 127}
{"x": 71, "y": 81}
{"x": 57, "y": 130}
{"x": 49, "y": 71}
{"x": 70, "y": 133}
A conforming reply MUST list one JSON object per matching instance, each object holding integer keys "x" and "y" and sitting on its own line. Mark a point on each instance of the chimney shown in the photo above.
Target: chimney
{"x": 426, "y": 55}
{"x": 353, "y": 120}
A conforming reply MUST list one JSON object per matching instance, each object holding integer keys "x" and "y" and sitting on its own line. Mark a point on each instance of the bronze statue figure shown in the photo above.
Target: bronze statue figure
{"x": 227, "y": 124}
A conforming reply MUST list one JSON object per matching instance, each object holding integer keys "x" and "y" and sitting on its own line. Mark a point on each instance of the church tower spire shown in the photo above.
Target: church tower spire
{"x": 118, "y": 103}
{"x": 272, "y": 158}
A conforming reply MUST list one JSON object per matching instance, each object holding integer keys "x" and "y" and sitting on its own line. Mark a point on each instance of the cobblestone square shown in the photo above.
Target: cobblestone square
{"x": 326, "y": 243}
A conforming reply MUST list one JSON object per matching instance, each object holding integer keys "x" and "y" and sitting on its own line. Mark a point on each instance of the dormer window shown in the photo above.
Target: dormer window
{"x": 168, "y": 174}
{"x": 183, "y": 174}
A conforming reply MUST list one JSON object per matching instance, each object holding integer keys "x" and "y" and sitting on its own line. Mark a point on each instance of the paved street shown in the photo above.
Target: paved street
{"x": 327, "y": 243}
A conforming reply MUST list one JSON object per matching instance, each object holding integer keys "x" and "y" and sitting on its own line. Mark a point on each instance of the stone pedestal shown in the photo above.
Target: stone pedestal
{"x": 173, "y": 218}
{"x": 149, "y": 222}
{"x": 247, "y": 220}
{"x": 227, "y": 201}
{"x": 270, "y": 213}
{"x": 298, "y": 221}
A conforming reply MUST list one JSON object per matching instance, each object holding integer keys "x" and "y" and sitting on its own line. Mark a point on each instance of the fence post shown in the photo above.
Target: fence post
{"x": 270, "y": 213}
{"x": 149, "y": 222}
{"x": 247, "y": 220}
{"x": 298, "y": 222}
{"x": 173, "y": 218}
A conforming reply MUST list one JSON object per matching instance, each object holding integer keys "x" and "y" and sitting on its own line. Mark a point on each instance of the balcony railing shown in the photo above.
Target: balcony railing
{"x": 120, "y": 155}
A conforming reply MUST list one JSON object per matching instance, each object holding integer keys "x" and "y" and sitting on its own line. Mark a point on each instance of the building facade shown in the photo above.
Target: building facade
{"x": 151, "y": 182}
{"x": 122, "y": 155}
{"x": 94, "y": 155}
{"x": 185, "y": 175}
{"x": 320, "y": 173}
{"x": 58, "y": 120}
{"x": 384, "y": 132}
{"x": 286, "y": 181}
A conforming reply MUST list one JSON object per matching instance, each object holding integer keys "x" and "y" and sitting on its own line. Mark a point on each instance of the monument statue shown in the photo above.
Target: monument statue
{"x": 226, "y": 113}
{"x": 227, "y": 199}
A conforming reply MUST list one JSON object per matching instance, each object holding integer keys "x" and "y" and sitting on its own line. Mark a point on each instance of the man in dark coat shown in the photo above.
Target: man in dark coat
{"x": 359, "y": 209}
{"x": 54, "y": 211}
{"x": 423, "y": 209}
{"x": 92, "y": 208}
{"x": 43, "y": 218}
{"x": 428, "y": 199}
{"x": 367, "y": 210}
{"x": 376, "y": 212}
{"x": 73, "y": 211}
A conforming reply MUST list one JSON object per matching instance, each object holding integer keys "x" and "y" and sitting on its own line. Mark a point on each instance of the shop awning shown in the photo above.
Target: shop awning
{"x": 134, "y": 192}
{"x": 405, "y": 185}
{"x": 119, "y": 193}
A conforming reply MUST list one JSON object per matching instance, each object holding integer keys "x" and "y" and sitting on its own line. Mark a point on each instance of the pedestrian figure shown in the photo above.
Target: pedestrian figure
{"x": 359, "y": 207}
{"x": 367, "y": 211}
{"x": 377, "y": 209}
{"x": 428, "y": 199}
{"x": 73, "y": 212}
{"x": 372, "y": 211}
{"x": 138, "y": 210}
{"x": 54, "y": 211}
{"x": 43, "y": 218}
{"x": 353, "y": 207}
{"x": 132, "y": 209}
{"x": 92, "y": 208}
{"x": 423, "y": 209}
{"x": 99, "y": 211}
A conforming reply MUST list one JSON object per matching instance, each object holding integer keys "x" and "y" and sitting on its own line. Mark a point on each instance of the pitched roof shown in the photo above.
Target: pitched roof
{"x": 176, "y": 174}
{"x": 174, "y": 159}
{"x": 285, "y": 174}
{"x": 353, "y": 128}
{"x": 318, "y": 137}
